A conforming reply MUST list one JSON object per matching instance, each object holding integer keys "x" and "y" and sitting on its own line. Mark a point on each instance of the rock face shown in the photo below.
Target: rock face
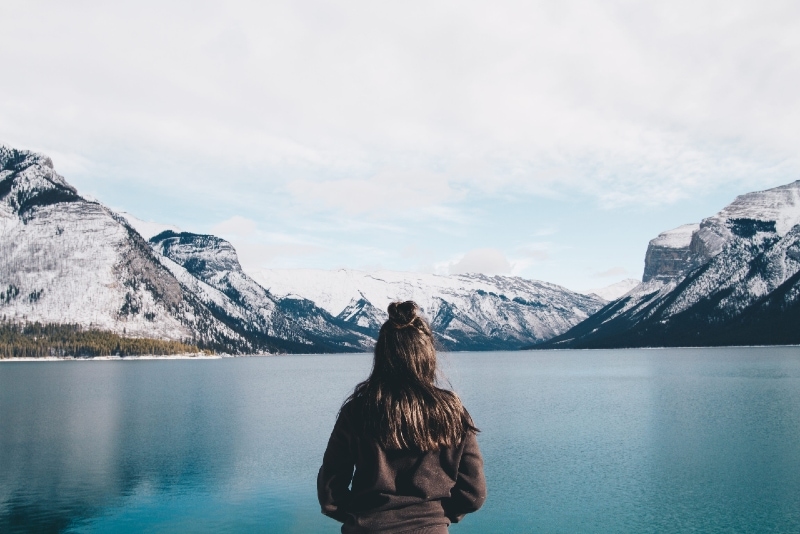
{"x": 669, "y": 255}
{"x": 741, "y": 285}
{"x": 467, "y": 312}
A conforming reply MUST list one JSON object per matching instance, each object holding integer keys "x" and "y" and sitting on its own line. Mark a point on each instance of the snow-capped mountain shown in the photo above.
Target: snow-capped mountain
{"x": 67, "y": 259}
{"x": 468, "y": 312}
{"x": 732, "y": 279}
{"x": 217, "y": 277}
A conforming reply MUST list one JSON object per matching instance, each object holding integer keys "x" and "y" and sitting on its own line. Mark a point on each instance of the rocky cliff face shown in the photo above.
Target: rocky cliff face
{"x": 740, "y": 284}
{"x": 669, "y": 256}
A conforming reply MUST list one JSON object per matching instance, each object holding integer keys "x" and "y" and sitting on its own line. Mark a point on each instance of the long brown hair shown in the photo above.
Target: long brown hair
{"x": 401, "y": 405}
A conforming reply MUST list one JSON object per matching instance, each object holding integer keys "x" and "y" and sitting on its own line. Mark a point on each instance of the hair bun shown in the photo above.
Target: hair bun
{"x": 402, "y": 314}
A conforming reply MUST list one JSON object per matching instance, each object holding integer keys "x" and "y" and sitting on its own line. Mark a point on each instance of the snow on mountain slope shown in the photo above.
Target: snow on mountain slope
{"x": 70, "y": 260}
{"x": 214, "y": 264}
{"x": 738, "y": 260}
{"x": 748, "y": 268}
{"x": 778, "y": 208}
{"x": 64, "y": 259}
{"x": 467, "y": 311}
{"x": 780, "y": 205}
{"x": 679, "y": 237}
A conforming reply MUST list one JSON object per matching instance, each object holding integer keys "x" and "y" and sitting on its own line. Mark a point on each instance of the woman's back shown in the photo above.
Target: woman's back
{"x": 396, "y": 490}
{"x": 403, "y": 453}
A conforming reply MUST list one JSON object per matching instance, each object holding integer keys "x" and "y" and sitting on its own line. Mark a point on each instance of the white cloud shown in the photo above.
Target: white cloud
{"x": 272, "y": 255}
{"x": 388, "y": 194}
{"x": 535, "y": 252}
{"x": 345, "y": 121}
{"x": 613, "y": 271}
{"x": 236, "y": 226}
{"x": 648, "y": 102}
{"x": 481, "y": 260}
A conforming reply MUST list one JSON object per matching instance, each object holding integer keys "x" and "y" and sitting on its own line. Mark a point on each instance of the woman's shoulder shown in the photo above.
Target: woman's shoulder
{"x": 352, "y": 408}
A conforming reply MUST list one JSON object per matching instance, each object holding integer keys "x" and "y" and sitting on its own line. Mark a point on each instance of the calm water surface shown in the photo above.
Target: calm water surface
{"x": 690, "y": 440}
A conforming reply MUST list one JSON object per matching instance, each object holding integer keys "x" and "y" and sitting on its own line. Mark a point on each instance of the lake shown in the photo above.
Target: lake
{"x": 672, "y": 440}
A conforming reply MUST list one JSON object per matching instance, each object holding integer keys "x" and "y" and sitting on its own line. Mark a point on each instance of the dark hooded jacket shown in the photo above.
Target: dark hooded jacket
{"x": 396, "y": 491}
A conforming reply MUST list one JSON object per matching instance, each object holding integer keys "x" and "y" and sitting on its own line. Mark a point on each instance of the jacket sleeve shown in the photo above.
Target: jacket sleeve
{"x": 336, "y": 473}
{"x": 469, "y": 492}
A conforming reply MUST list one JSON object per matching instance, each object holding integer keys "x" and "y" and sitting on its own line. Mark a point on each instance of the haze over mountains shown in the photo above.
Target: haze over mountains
{"x": 66, "y": 259}
{"x": 734, "y": 278}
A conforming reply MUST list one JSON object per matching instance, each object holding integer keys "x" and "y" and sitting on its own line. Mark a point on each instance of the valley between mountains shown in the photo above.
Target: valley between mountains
{"x": 68, "y": 260}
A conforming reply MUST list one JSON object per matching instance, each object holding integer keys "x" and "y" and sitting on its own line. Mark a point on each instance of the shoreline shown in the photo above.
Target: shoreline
{"x": 203, "y": 356}
{"x": 189, "y": 356}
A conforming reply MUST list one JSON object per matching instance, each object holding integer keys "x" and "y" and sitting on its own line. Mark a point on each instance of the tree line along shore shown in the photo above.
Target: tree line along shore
{"x": 36, "y": 340}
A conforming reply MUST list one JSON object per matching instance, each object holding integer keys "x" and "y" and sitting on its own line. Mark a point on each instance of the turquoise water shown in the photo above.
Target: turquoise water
{"x": 687, "y": 440}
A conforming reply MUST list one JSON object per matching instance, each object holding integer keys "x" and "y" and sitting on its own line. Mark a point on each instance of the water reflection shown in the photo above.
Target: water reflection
{"x": 80, "y": 439}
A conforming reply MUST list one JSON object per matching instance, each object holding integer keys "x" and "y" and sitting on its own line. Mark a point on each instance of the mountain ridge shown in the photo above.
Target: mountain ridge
{"x": 736, "y": 282}
{"x": 466, "y": 310}
{"x": 67, "y": 259}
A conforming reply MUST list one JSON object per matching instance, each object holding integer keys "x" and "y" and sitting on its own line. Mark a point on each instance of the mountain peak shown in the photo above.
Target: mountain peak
{"x": 779, "y": 204}
{"x": 668, "y": 255}
{"x": 679, "y": 237}
{"x": 28, "y": 180}
{"x": 201, "y": 254}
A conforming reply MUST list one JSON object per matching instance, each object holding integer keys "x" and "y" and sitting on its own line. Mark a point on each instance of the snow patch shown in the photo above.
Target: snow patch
{"x": 679, "y": 237}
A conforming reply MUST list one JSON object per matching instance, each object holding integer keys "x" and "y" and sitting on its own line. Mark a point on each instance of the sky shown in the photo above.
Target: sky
{"x": 545, "y": 139}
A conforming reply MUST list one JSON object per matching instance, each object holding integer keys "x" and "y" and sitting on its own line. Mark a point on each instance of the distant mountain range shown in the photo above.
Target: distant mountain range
{"x": 66, "y": 259}
{"x": 472, "y": 310}
{"x": 732, "y": 279}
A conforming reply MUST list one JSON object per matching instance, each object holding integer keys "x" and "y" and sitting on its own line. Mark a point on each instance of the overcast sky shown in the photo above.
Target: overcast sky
{"x": 546, "y": 139}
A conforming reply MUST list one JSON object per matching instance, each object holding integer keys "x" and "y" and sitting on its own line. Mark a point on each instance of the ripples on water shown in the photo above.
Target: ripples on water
{"x": 680, "y": 440}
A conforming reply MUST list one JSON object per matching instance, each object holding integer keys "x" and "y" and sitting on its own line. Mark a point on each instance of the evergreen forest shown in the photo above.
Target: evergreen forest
{"x": 36, "y": 340}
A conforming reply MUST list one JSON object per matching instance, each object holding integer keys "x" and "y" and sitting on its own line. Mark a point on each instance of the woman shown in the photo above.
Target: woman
{"x": 412, "y": 444}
